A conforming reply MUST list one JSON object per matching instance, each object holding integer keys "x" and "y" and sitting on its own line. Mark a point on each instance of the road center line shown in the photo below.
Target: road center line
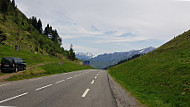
{"x": 85, "y": 93}
{"x": 69, "y": 78}
{"x": 43, "y": 87}
{"x": 59, "y": 81}
{"x": 8, "y": 99}
{"x": 95, "y": 77}
{"x": 92, "y": 82}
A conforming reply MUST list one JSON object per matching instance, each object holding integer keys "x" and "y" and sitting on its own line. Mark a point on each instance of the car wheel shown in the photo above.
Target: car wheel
{"x": 2, "y": 71}
{"x": 16, "y": 69}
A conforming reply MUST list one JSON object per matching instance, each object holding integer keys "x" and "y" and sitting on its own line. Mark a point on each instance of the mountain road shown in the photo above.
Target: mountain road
{"x": 85, "y": 88}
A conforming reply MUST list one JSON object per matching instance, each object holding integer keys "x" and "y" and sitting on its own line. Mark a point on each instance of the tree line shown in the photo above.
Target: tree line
{"x": 128, "y": 59}
{"x": 47, "y": 32}
{"x": 52, "y": 34}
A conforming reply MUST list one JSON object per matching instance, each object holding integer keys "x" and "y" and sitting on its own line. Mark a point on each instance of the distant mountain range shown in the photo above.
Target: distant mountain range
{"x": 105, "y": 60}
{"x": 84, "y": 56}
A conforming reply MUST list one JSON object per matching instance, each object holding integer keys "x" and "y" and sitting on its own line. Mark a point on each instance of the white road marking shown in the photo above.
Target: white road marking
{"x": 3, "y": 84}
{"x": 85, "y": 93}
{"x": 59, "y": 81}
{"x": 69, "y": 78}
{"x": 43, "y": 87}
{"x": 97, "y": 74}
{"x": 95, "y": 77}
{"x": 92, "y": 82}
{"x": 8, "y": 99}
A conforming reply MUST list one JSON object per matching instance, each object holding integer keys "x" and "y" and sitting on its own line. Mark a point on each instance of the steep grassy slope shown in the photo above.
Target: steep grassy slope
{"x": 160, "y": 78}
{"x": 49, "y": 64}
{"x": 29, "y": 57}
{"x": 17, "y": 30}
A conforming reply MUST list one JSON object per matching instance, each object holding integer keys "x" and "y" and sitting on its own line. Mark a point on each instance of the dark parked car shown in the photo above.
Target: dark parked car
{"x": 12, "y": 64}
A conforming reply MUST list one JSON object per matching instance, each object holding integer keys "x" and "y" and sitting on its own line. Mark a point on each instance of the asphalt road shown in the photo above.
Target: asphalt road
{"x": 87, "y": 88}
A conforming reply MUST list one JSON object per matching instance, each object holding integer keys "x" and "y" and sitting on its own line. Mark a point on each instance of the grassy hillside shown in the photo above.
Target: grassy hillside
{"x": 50, "y": 63}
{"x": 18, "y": 30}
{"x": 29, "y": 57}
{"x": 160, "y": 78}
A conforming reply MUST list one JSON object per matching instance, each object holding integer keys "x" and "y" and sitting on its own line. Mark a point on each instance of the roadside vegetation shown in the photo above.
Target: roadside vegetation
{"x": 40, "y": 65}
{"x": 49, "y": 69}
{"x": 160, "y": 78}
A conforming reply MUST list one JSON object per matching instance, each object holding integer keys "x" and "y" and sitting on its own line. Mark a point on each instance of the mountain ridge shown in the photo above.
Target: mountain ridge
{"x": 84, "y": 56}
{"x": 105, "y": 60}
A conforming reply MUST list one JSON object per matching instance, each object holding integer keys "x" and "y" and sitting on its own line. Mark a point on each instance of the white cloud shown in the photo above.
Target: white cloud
{"x": 80, "y": 48}
{"x": 120, "y": 39}
{"x": 106, "y": 20}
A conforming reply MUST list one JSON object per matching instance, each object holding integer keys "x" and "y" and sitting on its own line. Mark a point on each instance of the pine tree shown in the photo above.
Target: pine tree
{"x": 54, "y": 36}
{"x": 50, "y": 32}
{"x": 39, "y": 26}
{"x": 4, "y": 6}
{"x": 13, "y": 4}
{"x": 46, "y": 30}
{"x": 34, "y": 21}
{"x": 59, "y": 40}
{"x": 71, "y": 53}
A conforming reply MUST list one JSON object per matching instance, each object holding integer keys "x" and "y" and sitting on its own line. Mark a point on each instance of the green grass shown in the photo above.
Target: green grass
{"x": 49, "y": 69}
{"x": 29, "y": 57}
{"x": 1, "y": 73}
{"x": 51, "y": 64}
{"x": 160, "y": 78}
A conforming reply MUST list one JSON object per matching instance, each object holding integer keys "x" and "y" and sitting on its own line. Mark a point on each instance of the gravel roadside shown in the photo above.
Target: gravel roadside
{"x": 123, "y": 98}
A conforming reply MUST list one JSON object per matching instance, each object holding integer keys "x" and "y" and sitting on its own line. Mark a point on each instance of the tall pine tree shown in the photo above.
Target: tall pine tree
{"x": 4, "y": 6}
{"x": 39, "y": 26}
{"x": 71, "y": 53}
{"x": 13, "y": 4}
{"x": 46, "y": 30}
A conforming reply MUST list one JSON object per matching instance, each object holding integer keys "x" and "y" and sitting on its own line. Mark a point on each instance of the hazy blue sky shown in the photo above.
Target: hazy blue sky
{"x": 104, "y": 26}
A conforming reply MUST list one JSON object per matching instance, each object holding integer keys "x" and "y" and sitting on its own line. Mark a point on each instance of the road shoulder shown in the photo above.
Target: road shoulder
{"x": 123, "y": 98}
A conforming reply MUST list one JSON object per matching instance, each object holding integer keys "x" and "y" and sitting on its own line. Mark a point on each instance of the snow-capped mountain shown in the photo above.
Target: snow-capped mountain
{"x": 84, "y": 56}
{"x": 105, "y": 60}
{"x": 146, "y": 50}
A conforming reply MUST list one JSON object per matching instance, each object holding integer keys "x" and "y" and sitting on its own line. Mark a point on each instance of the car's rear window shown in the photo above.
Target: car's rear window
{"x": 7, "y": 61}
